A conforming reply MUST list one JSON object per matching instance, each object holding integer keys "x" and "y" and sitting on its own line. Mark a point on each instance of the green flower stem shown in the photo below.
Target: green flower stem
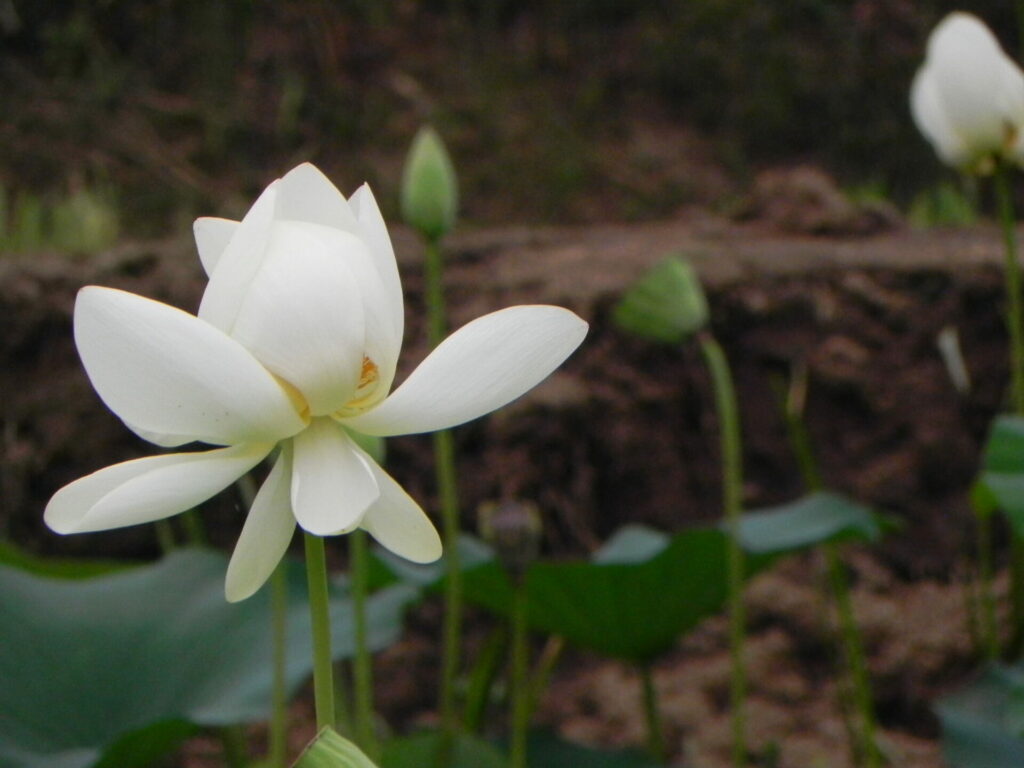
{"x": 520, "y": 679}
{"x": 1015, "y": 329}
{"x": 366, "y": 736}
{"x": 194, "y": 528}
{"x": 852, "y": 646}
{"x": 987, "y": 623}
{"x": 278, "y": 739}
{"x": 319, "y": 610}
{"x": 165, "y": 536}
{"x": 481, "y": 681}
{"x": 655, "y": 741}
{"x": 853, "y": 651}
{"x": 732, "y": 499}
{"x": 447, "y": 486}
{"x": 1014, "y": 308}
{"x": 549, "y": 657}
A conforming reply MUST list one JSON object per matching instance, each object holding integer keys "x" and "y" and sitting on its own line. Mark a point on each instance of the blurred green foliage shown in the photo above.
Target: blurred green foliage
{"x": 186, "y": 104}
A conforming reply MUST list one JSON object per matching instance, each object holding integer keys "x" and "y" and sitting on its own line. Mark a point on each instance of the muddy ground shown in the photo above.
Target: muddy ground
{"x": 624, "y": 432}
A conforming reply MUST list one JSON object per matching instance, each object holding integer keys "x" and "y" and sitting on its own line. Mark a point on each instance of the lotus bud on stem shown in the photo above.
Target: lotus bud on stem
{"x": 429, "y": 202}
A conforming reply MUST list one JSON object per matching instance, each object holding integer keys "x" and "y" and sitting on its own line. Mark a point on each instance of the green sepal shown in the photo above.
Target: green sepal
{"x": 332, "y": 750}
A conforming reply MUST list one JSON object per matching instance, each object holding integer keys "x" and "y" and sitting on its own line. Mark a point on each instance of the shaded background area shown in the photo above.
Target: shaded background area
{"x": 555, "y": 112}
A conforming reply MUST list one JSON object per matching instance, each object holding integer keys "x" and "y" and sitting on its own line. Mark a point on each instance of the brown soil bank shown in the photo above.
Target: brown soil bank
{"x": 625, "y": 433}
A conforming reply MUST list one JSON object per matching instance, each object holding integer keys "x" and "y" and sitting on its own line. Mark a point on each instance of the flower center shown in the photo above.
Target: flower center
{"x": 367, "y": 391}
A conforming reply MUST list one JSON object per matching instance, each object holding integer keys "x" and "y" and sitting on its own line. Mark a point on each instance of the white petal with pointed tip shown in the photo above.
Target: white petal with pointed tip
{"x": 931, "y": 119}
{"x": 304, "y": 317}
{"x": 212, "y": 238}
{"x": 265, "y": 537}
{"x": 238, "y": 263}
{"x": 149, "y": 489}
{"x": 375, "y": 231}
{"x": 307, "y": 195}
{"x": 484, "y": 365}
{"x": 165, "y": 371}
{"x": 332, "y": 484}
{"x": 399, "y": 524}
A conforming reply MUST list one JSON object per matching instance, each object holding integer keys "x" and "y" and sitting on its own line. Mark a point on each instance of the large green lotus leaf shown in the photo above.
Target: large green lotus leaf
{"x": 87, "y": 664}
{"x": 548, "y": 751}
{"x": 1002, "y": 473}
{"x": 806, "y": 522}
{"x": 983, "y": 723}
{"x": 426, "y": 750}
{"x": 631, "y": 604}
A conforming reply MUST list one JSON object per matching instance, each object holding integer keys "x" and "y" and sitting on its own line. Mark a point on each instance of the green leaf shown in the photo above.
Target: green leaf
{"x": 331, "y": 750}
{"x": 667, "y": 304}
{"x": 812, "y": 520}
{"x": 60, "y": 567}
{"x": 618, "y": 606}
{"x": 548, "y": 751}
{"x": 1003, "y": 468}
{"x": 1004, "y": 451}
{"x": 116, "y": 664}
{"x": 425, "y": 750}
{"x": 983, "y": 723}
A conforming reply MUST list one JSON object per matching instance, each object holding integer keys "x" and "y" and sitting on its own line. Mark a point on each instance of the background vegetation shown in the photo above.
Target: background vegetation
{"x": 569, "y": 111}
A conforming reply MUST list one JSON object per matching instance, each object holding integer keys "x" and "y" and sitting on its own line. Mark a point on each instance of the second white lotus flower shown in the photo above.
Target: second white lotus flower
{"x": 968, "y": 97}
{"x": 295, "y": 346}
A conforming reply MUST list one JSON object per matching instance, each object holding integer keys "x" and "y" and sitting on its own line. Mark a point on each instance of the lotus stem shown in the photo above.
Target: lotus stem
{"x": 732, "y": 499}
{"x": 278, "y": 739}
{"x": 366, "y": 736}
{"x": 652, "y": 713}
{"x": 866, "y": 751}
{"x": 987, "y": 623}
{"x": 319, "y": 611}
{"x": 165, "y": 536}
{"x": 447, "y": 487}
{"x": 519, "y": 679}
{"x": 1015, "y": 330}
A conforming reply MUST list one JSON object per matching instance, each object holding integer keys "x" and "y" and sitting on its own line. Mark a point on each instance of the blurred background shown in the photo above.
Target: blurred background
{"x": 127, "y": 118}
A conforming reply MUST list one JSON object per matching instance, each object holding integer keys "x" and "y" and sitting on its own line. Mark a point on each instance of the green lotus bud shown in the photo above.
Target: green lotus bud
{"x": 430, "y": 191}
{"x": 667, "y": 304}
{"x": 330, "y": 750}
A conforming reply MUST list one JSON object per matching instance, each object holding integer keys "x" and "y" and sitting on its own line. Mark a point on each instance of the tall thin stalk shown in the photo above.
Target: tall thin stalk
{"x": 319, "y": 612}
{"x": 278, "y": 738}
{"x": 732, "y": 501}
{"x": 866, "y": 751}
{"x": 652, "y": 714}
{"x": 447, "y": 487}
{"x": 1015, "y": 330}
{"x": 519, "y": 679}
{"x": 366, "y": 736}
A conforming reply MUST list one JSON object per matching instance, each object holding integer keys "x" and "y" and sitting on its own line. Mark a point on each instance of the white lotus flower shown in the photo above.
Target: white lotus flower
{"x": 968, "y": 97}
{"x": 295, "y": 345}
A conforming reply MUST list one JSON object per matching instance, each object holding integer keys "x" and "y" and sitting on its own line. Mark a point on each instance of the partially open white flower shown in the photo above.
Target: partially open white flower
{"x": 968, "y": 97}
{"x": 295, "y": 345}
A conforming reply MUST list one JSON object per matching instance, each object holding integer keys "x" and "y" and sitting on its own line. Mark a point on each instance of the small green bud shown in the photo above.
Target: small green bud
{"x": 667, "y": 304}
{"x": 430, "y": 191}
{"x": 514, "y": 529}
{"x": 330, "y": 750}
